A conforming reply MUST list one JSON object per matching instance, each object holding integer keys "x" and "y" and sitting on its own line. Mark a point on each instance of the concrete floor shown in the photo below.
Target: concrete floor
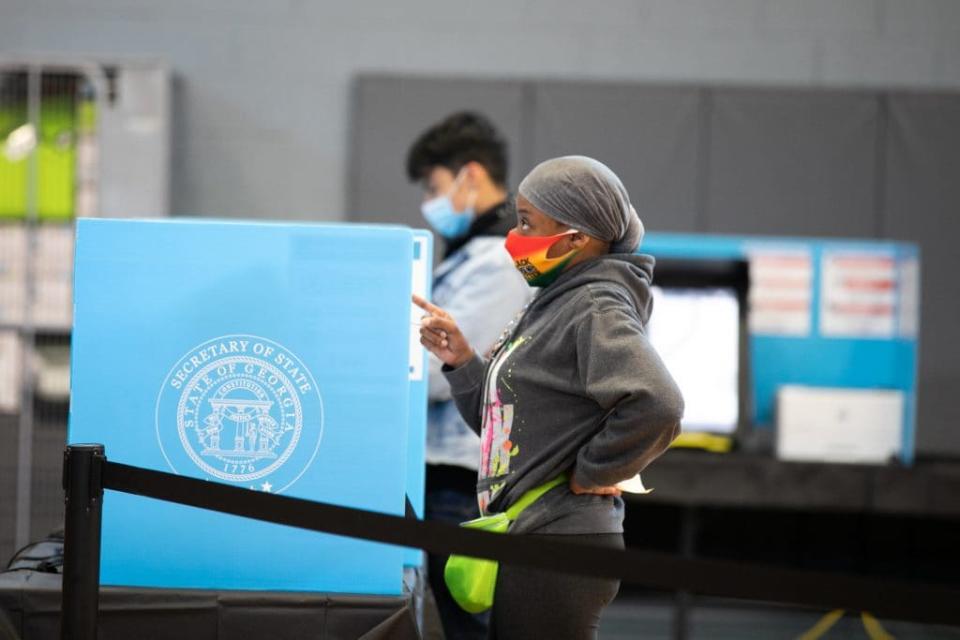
{"x": 634, "y": 616}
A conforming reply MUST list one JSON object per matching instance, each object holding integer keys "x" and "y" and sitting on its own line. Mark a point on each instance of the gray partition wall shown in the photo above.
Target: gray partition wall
{"x": 922, "y": 203}
{"x": 388, "y": 115}
{"x": 791, "y": 163}
{"x": 650, "y": 136}
{"x": 833, "y": 163}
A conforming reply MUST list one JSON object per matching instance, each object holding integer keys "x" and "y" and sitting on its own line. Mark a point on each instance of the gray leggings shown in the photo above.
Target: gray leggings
{"x": 531, "y": 604}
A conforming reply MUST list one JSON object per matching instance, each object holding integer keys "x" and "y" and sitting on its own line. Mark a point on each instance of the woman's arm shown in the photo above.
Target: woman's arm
{"x": 466, "y": 387}
{"x": 622, "y": 372}
{"x": 463, "y": 368}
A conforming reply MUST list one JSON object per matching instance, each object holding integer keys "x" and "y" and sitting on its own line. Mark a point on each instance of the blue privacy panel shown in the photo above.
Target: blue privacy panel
{"x": 417, "y": 430}
{"x": 832, "y": 346}
{"x": 268, "y": 356}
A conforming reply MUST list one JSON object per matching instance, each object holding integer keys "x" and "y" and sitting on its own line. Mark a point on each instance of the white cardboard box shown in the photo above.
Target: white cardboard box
{"x": 839, "y": 425}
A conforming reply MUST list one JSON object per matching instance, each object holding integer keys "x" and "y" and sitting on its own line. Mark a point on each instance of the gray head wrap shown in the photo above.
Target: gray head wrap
{"x": 585, "y": 194}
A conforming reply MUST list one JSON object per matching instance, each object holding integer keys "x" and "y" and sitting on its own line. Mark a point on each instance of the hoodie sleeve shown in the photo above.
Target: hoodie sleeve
{"x": 621, "y": 372}
{"x": 466, "y": 387}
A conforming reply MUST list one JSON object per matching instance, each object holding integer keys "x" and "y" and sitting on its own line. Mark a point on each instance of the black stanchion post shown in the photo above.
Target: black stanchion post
{"x": 83, "y": 486}
{"x": 684, "y": 599}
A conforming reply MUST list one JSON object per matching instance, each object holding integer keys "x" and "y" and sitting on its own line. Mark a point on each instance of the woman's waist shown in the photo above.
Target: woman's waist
{"x": 563, "y": 512}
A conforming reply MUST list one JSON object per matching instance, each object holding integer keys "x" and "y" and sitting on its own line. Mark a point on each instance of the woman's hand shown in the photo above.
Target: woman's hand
{"x": 598, "y": 491}
{"x": 441, "y": 336}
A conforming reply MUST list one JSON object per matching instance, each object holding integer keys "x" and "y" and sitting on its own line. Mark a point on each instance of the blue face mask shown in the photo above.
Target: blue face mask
{"x": 441, "y": 215}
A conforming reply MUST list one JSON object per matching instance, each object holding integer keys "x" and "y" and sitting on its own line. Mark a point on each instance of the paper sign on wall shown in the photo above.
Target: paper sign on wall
{"x": 858, "y": 294}
{"x": 781, "y": 285}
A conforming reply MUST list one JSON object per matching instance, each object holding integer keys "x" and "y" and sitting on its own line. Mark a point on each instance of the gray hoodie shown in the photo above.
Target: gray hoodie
{"x": 576, "y": 387}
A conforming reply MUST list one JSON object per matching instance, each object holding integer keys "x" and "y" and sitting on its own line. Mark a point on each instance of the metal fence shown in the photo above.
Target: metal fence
{"x": 49, "y": 176}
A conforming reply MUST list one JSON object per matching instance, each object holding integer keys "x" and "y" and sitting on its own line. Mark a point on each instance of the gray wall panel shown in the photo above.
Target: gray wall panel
{"x": 390, "y": 113}
{"x": 648, "y": 135}
{"x": 792, "y": 162}
{"x": 921, "y": 204}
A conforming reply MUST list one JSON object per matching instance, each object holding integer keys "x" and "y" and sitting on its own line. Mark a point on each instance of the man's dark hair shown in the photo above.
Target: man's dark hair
{"x": 460, "y": 138}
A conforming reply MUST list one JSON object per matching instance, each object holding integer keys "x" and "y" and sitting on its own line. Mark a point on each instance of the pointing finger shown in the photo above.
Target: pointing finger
{"x": 427, "y": 306}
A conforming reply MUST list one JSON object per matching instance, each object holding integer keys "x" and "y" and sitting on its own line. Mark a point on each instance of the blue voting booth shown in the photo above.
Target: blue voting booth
{"x": 274, "y": 357}
{"x": 822, "y": 313}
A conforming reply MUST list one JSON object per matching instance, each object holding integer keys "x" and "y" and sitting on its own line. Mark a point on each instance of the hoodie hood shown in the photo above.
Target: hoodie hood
{"x": 633, "y": 273}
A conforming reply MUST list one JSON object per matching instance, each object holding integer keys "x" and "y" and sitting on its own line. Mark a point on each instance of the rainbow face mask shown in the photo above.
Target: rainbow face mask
{"x": 529, "y": 255}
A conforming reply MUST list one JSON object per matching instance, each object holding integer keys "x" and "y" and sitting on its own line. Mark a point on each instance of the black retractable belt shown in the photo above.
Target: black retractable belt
{"x": 917, "y": 602}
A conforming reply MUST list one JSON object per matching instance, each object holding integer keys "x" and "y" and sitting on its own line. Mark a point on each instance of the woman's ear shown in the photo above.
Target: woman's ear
{"x": 579, "y": 240}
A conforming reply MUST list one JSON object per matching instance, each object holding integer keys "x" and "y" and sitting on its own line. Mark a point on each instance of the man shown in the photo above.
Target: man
{"x": 461, "y": 165}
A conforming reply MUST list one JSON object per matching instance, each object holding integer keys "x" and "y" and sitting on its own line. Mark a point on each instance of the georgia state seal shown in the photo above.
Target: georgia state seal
{"x": 241, "y": 409}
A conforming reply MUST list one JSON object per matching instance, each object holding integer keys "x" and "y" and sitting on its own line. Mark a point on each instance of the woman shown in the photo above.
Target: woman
{"x": 574, "y": 387}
